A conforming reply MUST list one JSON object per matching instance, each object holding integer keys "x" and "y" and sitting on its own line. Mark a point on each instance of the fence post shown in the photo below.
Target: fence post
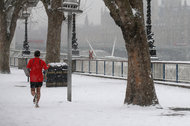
{"x": 96, "y": 66}
{"x": 89, "y": 66}
{"x": 164, "y": 76}
{"x": 152, "y": 70}
{"x": 112, "y": 68}
{"x": 177, "y": 73}
{"x": 121, "y": 69}
{"x": 82, "y": 66}
{"x": 104, "y": 67}
{"x": 14, "y": 62}
{"x": 151, "y": 65}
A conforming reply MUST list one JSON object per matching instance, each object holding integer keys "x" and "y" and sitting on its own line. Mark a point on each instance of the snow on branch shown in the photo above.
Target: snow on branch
{"x": 136, "y": 8}
{"x": 114, "y": 3}
{"x": 49, "y": 2}
{"x": 135, "y": 12}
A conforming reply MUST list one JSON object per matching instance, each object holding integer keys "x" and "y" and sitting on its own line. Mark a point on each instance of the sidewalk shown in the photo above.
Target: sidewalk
{"x": 95, "y": 102}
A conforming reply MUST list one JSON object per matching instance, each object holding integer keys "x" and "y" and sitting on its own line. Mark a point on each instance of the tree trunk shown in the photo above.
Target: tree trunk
{"x": 55, "y": 19}
{"x": 8, "y": 19}
{"x": 4, "y": 48}
{"x": 128, "y": 15}
{"x": 4, "y": 57}
{"x": 140, "y": 87}
{"x": 4, "y": 45}
{"x": 53, "y": 39}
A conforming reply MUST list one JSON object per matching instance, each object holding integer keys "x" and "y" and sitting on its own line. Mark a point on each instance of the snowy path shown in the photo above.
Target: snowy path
{"x": 96, "y": 102}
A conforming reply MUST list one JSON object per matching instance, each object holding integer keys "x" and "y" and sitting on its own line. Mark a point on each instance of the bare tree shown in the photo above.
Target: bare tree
{"x": 128, "y": 15}
{"x": 55, "y": 19}
{"x": 9, "y": 10}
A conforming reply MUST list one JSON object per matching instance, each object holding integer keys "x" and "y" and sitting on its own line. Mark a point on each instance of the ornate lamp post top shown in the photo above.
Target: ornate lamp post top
{"x": 27, "y": 8}
{"x": 70, "y": 6}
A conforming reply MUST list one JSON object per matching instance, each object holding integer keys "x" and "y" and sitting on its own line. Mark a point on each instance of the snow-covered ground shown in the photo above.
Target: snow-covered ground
{"x": 95, "y": 102}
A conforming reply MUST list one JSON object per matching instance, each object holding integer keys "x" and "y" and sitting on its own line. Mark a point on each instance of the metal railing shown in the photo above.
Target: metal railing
{"x": 175, "y": 71}
{"x": 102, "y": 67}
{"x": 13, "y": 61}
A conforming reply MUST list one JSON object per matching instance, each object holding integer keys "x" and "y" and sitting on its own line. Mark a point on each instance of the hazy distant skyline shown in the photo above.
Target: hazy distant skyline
{"x": 92, "y": 8}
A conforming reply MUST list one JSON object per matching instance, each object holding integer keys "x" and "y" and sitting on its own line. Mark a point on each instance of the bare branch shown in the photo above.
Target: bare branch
{"x": 7, "y": 4}
{"x": 114, "y": 11}
{"x": 51, "y": 7}
{"x": 46, "y": 4}
{"x": 14, "y": 17}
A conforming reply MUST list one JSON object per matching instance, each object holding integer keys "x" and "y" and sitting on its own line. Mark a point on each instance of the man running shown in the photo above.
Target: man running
{"x": 35, "y": 65}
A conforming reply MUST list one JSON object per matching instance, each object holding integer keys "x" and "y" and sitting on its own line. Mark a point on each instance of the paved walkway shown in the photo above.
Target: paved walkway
{"x": 95, "y": 102}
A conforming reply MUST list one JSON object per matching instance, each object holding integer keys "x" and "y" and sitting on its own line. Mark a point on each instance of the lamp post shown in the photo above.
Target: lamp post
{"x": 70, "y": 6}
{"x": 24, "y": 14}
{"x": 150, "y": 38}
{"x": 75, "y": 50}
{"x": 26, "y": 46}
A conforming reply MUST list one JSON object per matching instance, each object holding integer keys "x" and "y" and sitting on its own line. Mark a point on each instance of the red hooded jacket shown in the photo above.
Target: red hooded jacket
{"x": 36, "y": 65}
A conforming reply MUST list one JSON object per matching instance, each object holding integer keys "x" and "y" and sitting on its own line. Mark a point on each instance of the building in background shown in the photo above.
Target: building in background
{"x": 171, "y": 23}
